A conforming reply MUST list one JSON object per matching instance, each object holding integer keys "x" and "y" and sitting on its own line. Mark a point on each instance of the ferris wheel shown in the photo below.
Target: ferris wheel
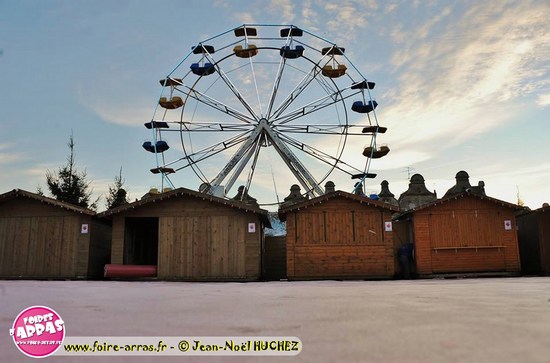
{"x": 262, "y": 107}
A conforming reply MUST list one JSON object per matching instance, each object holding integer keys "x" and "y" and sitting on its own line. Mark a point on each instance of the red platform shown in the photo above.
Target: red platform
{"x": 112, "y": 270}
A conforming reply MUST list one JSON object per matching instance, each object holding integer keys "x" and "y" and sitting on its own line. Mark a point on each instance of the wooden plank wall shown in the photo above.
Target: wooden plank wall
{"x": 422, "y": 244}
{"x": 99, "y": 249}
{"x": 117, "y": 240}
{"x": 38, "y": 240}
{"x": 339, "y": 239}
{"x": 465, "y": 235}
{"x": 43, "y": 247}
{"x": 213, "y": 247}
{"x": 199, "y": 240}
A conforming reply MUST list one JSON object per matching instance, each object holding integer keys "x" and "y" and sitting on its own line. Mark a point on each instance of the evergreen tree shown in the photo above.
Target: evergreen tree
{"x": 117, "y": 194}
{"x": 68, "y": 184}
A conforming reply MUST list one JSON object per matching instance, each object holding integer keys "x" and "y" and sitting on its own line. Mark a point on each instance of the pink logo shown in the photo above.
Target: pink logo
{"x": 38, "y": 331}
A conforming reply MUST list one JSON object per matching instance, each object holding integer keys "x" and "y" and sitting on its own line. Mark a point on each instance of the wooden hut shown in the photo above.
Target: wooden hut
{"x": 189, "y": 236}
{"x": 465, "y": 233}
{"x": 534, "y": 241}
{"x": 339, "y": 235}
{"x": 42, "y": 237}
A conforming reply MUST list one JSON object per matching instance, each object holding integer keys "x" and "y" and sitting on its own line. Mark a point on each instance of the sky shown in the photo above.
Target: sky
{"x": 461, "y": 85}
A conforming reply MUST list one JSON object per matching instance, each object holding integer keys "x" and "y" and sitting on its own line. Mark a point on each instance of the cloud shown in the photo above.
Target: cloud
{"x": 283, "y": 8}
{"x": 464, "y": 78}
{"x": 543, "y": 100}
{"x": 127, "y": 115}
{"x": 246, "y": 18}
{"x": 9, "y": 157}
{"x": 346, "y": 20}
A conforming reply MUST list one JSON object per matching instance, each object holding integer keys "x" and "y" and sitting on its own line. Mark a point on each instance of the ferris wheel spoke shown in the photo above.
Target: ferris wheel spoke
{"x": 276, "y": 84}
{"x": 293, "y": 95}
{"x": 321, "y": 156}
{"x": 218, "y": 105}
{"x": 256, "y": 86}
{"x": 335, "y": 129}
{"x": 212, "y": 127}
{"x": 312, "y": 107}
{"x": 233, "y": 89}
{"x": 208, "y": 152}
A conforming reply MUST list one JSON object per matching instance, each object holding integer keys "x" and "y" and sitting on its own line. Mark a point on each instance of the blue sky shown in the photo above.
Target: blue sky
{"x": 461, "y": 85}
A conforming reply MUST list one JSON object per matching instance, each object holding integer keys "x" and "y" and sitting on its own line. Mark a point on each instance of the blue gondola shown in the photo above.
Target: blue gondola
{"x": 289, "y": 53}
{"x": 205, "y": 70}
{"x": 361, "y": 107}
{"x": 161, "y": 146}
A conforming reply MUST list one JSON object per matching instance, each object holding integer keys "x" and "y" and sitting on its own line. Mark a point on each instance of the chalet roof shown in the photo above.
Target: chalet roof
{"x": 461, "y": 195}
{"x": 177, "y": 193}
{"x": 544, "y": 209}
{"x": 19, "y": 193}
{"x": 333, "y": 195}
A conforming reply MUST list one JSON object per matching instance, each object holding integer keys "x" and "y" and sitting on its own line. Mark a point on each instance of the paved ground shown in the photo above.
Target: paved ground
{"x": 469, "y": 320}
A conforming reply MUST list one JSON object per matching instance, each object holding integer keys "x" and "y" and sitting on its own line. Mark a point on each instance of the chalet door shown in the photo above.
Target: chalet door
{"x": 141, "y": 241}
{"x": 274, "y": 258}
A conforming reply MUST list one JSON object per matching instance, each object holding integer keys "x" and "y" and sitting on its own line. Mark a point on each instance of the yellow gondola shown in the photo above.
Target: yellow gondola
{"x": 375, "y": 153}
{"x": 249, "y": 52}
{"x": 331, "y": 72}
{"x": 172, "y": 103}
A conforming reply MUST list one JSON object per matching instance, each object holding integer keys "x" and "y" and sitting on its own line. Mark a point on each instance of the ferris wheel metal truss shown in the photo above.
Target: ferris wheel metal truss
{"x": 236, "y": 69}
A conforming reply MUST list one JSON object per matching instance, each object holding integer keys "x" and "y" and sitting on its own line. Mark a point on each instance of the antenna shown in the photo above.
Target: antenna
{"x": 408, "y": 170}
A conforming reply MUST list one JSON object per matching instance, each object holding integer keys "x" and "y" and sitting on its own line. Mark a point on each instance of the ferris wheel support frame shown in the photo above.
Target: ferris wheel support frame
{"x": 242, "y": 156}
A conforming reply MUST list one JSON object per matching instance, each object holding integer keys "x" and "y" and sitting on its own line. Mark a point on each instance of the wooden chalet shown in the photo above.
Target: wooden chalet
{"x": 534, "y": 241}
{"x": 339, "y": 235}
{"x": 464, "y": 233}
{"x": 42, "y": 238}
{"x": 189, "y": 235}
